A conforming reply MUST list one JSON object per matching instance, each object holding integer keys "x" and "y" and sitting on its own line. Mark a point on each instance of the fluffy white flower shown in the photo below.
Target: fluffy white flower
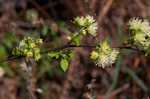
{"x": 104, "y": 47}
{"x": 92, "y": 29}
{"x": 80, "y": 21}
{"x": 141, "y": 35}
{"x": 135, "y": 23}
{"x": 139, "y": 24}
{"x": 89, "y": 19}
{"x": 145, "y": 27}
{"x": 107, "y": 55}
{"x": 113, "y": 55}
{"x": 87, "y": 23}
{"x": 107, "y": 59}
{"x": 103, "y": 61}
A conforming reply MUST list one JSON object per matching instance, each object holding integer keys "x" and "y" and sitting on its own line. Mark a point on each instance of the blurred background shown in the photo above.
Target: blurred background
{"x": 129, "y": 78}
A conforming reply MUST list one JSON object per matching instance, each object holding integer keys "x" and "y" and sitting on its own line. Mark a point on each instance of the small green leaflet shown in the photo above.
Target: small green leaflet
{"x": 54, "y": 54}
{"x": 147, "y": 52}
{"x": 77, "y": 41}
{"x": 64, "y": 64}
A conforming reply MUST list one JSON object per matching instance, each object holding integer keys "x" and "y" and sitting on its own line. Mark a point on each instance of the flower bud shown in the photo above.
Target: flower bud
{"x": 25, "y": 51}
{"x": 37, "y": 57}
{"x": 94, "y": 55}
{"x": 69, "y": 38}
{"x": 29, "y": 54}
{"x": 40, "y": 41}
{"x": 84, "y": 32}
{"x": 32, "y": 45}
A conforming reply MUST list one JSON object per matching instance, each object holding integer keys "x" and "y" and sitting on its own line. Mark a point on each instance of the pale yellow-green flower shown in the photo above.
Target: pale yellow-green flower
{"x": 36, "y": 50}
{"x": 87, "y": 23}
{"x": 113, "y": 56}
{"x": 92, "y": 29}
{"x": 106, "y": 55}
{"x": 94, "y": 55}
{"x": 135, "y": 23}
{"x": 32, "y": 45}
{"x": 40, "y": 41}
{"x": 107, "y": 59}
{"x": 104, "y": 47}
{"x": 80, "y": 21}
{"x": 28, "y": 38}
{"x": 141, "y": 25}
{"x": 25, "y": 51}
{"x": 28, "y": 47}
{"x": 29, "y": 54}
{"x": 84, "y": 32}
{"x": 37, "y": 57}
{"x": 140, "y": 37}
{"x": 69, "y": 38}
{"x": 103, "y": 61}
{"x": 141, "y": 33}
{"x": 89, "y": 19}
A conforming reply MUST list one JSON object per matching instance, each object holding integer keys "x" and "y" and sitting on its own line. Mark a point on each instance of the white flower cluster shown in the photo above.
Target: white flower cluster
{"x": 87, "y": 23}
{"x": 106, "y": 55}
{"x": 140, "y": 25}
{"x": 107, "y": 59}
{"x": 141, "y": 32}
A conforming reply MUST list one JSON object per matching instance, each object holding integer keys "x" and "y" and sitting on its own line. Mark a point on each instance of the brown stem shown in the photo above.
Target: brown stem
{"x": 69, "y": 46}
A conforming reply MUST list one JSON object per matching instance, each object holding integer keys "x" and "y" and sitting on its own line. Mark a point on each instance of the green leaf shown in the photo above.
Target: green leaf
{"x": 64, "y": 55}
{"x": 77, "y": 41}
{"x": 75, "y": 34}
{"x": 64, "y": 64}
{"x": 53, "y": 54}
{"x": 71, "y": 53}
{"x": 147, "y": 52}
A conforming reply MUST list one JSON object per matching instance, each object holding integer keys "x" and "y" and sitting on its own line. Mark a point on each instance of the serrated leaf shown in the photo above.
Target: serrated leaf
{"x": 77, "y": 41}
{"x": 64, "y": 64}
